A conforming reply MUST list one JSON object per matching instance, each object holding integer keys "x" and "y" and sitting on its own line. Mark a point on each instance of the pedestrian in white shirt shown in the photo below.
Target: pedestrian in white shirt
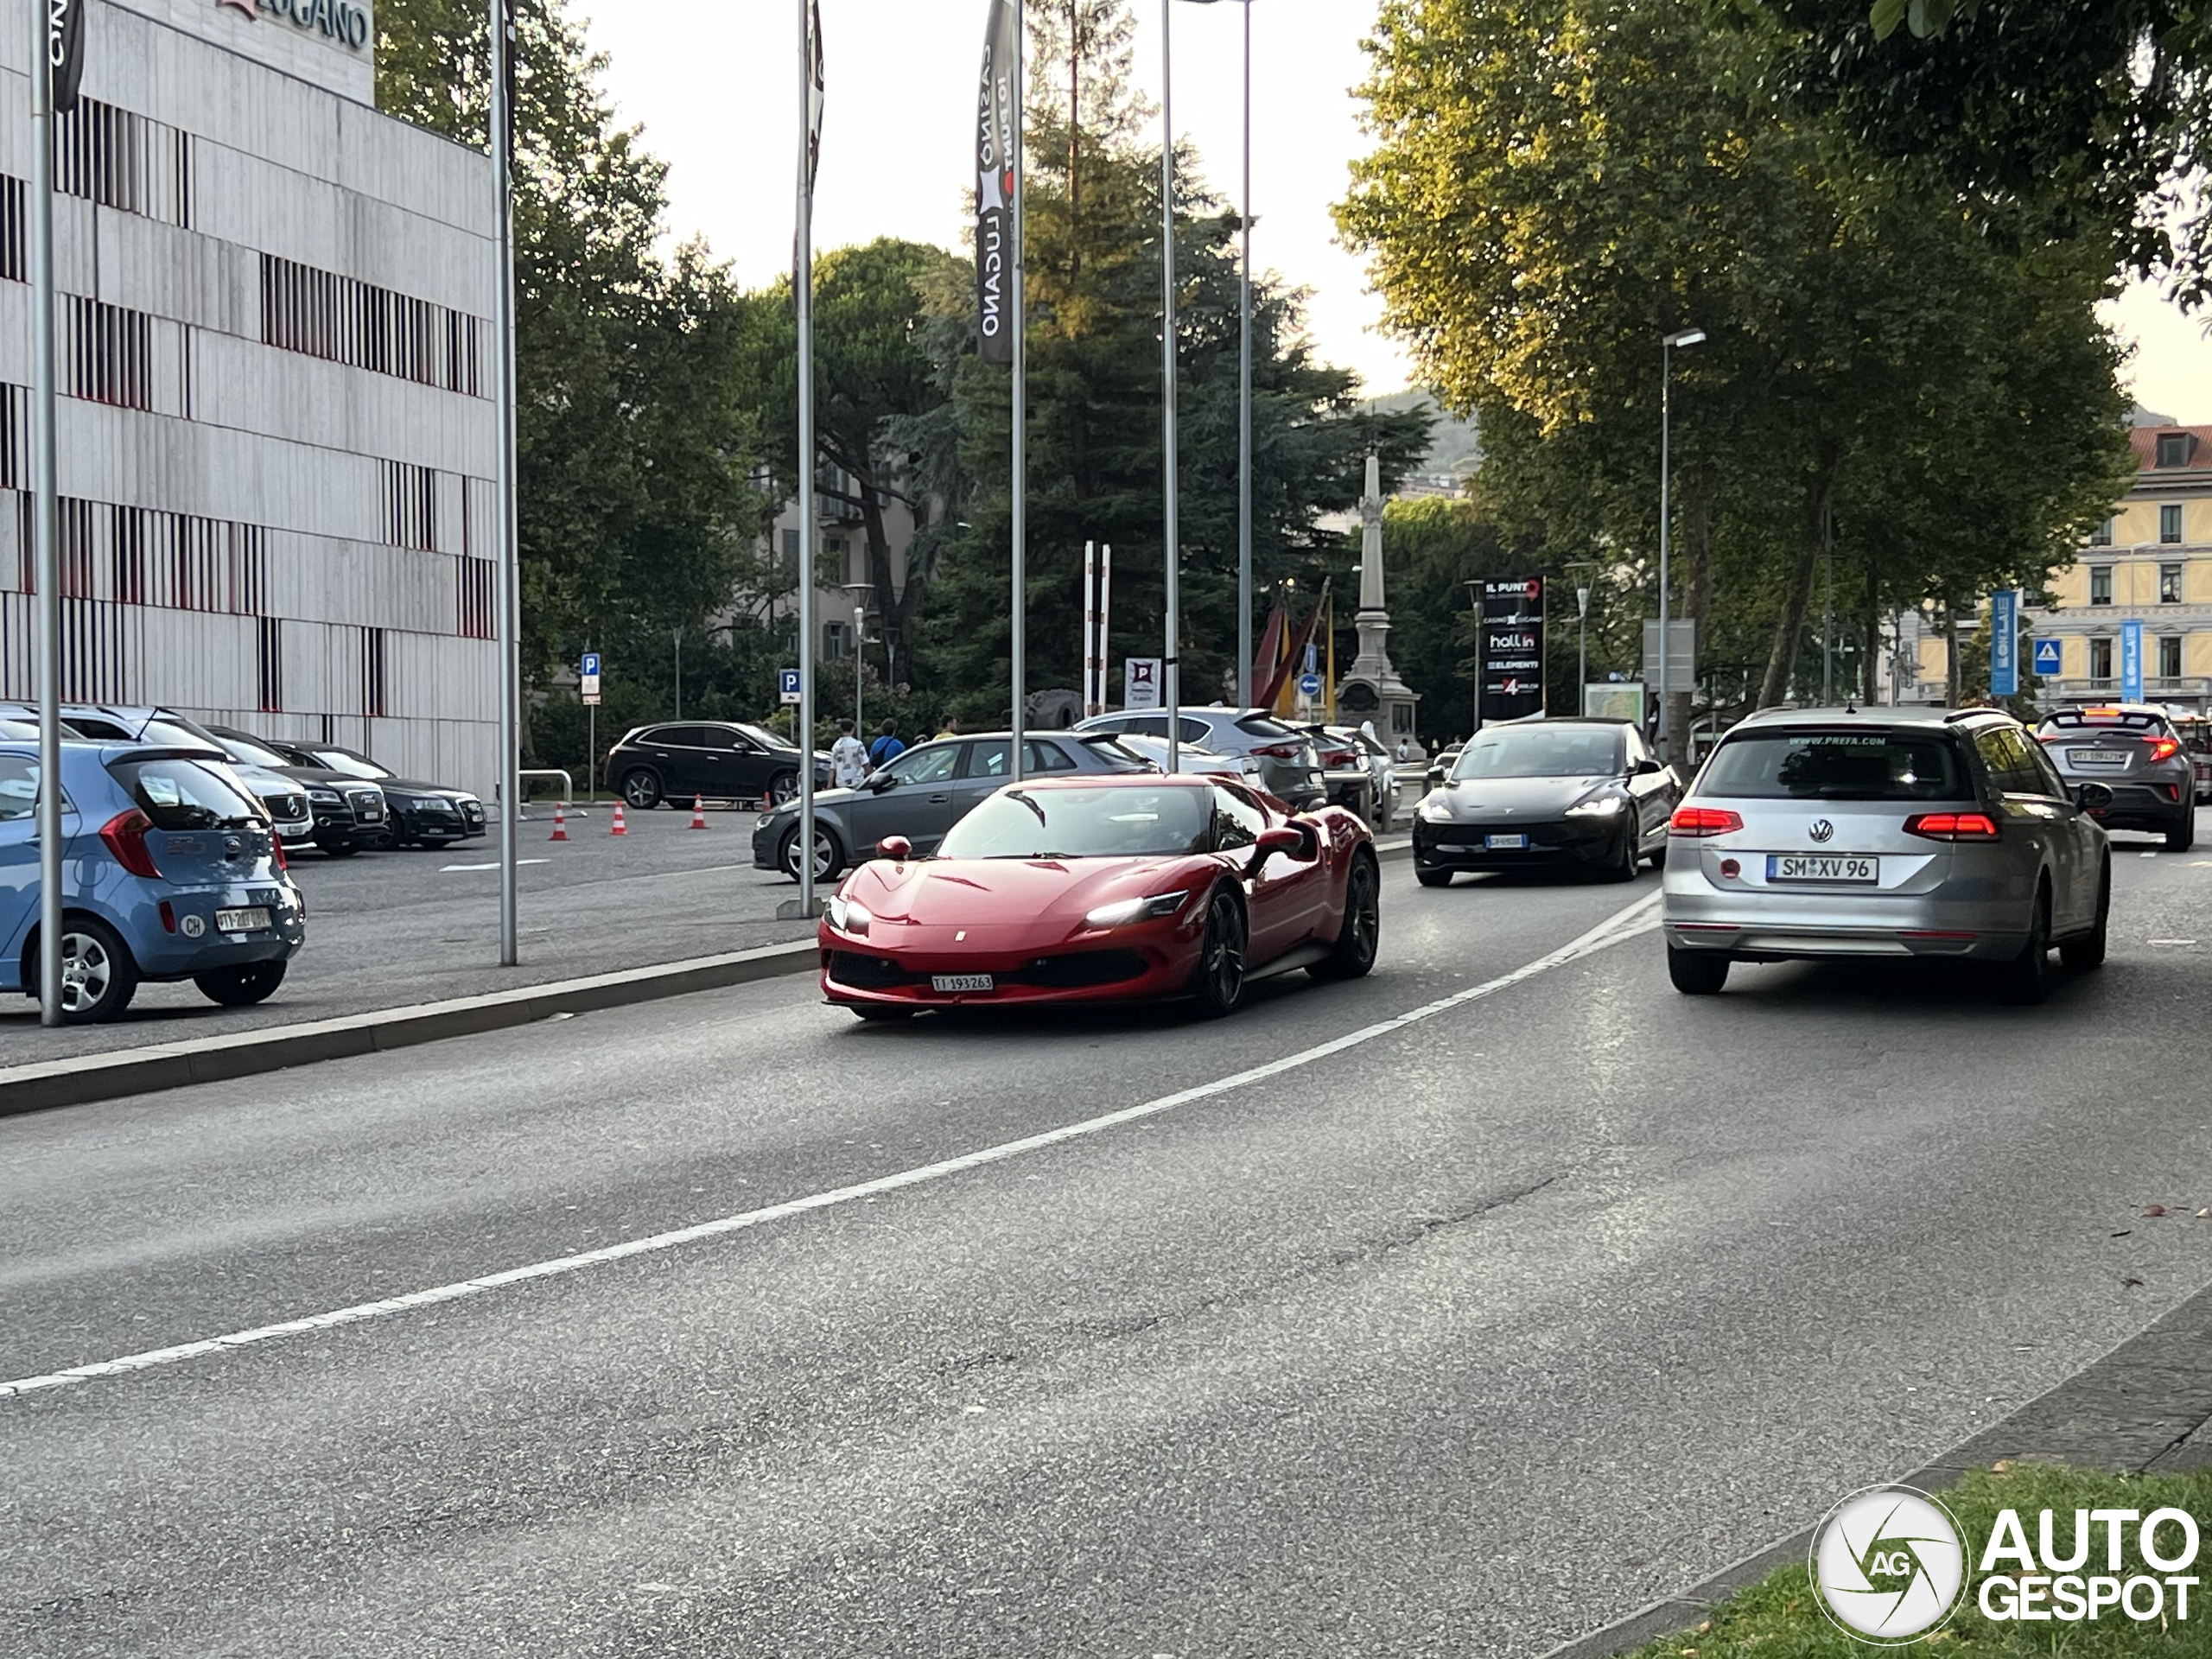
{"x": 848, "y": 757}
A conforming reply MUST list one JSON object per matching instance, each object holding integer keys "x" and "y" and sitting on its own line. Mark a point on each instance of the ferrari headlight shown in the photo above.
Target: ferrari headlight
{"x": 1436, "y": 806}
{"x": 848, "y": 915}
{"x": 1596, "y": 806}
{"x": 1136, "y": 909}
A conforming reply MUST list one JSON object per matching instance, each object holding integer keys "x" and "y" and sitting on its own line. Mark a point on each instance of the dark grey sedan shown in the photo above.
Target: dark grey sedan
{"x": 924, "y": 793}
{"x": 2134, "y": 751}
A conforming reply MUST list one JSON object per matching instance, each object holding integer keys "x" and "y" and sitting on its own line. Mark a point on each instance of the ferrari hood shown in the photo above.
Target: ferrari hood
{"x": 967, "y": 892}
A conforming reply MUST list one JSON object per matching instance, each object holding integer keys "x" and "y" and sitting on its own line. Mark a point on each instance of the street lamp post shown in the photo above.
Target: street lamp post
{"x": 1667, "y": 345}
{"x": 1170, "y": 669}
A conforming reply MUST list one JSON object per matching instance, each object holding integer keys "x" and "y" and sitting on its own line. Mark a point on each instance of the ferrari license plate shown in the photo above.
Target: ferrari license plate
{"x": 242, "y": 921}
{"x": 961, "y": 982}
{"x": 1505, "y": 843}
{"x": 2097, "y": 757}
{"x": 1822, "y": 867}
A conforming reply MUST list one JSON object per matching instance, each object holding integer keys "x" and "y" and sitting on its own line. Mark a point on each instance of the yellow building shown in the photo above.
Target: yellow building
{"x": 2150, "y": 562}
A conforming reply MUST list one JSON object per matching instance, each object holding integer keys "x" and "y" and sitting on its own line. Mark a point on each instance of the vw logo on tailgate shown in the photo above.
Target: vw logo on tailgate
{"x": 1821, "y": 830}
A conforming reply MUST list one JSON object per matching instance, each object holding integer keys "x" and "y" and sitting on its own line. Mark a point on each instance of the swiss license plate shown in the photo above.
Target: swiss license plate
{"x": 2098, "y": 757}
{"x": 1505, "y": 843}
{"x": 1822, "y": 867}
{"x": 242, "y": 921}
{"x": 961, "y": 982}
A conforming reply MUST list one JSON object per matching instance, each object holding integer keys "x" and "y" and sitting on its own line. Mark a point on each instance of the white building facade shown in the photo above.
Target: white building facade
{"x": 274, "y": 363}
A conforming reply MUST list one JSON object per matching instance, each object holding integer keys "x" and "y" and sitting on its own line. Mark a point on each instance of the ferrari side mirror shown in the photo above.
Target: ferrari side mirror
{"x": 896, "y": 849}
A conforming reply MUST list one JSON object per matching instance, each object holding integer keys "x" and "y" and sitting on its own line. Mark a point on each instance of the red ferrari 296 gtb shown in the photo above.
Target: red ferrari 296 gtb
{"x": 1113, "y": 889}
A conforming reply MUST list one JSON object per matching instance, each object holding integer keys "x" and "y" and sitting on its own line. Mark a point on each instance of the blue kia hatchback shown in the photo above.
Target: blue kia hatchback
{"x": 170, "y": 870}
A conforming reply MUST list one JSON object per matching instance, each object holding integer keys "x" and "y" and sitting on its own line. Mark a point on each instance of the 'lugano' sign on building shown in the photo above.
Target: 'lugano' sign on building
{"x": 337, "y": 20}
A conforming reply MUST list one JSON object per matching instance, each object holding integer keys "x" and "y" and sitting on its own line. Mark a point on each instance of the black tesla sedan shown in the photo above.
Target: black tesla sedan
{"x": 1579, "y": 794}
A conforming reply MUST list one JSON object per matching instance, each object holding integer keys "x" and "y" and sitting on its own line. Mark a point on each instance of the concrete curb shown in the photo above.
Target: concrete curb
{"x": 89, "y": 1077}
{"x": 2141, "y": 1408}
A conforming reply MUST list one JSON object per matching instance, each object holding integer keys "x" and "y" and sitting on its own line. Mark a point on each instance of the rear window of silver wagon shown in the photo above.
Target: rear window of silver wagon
{"x": 1861, "y": 764}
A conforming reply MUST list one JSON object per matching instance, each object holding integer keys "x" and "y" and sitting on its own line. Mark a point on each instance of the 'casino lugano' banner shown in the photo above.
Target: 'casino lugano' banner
{"x": 995, "y": 113}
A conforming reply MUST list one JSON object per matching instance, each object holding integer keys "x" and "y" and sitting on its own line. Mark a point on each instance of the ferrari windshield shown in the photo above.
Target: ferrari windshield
{"x": 1018, "y": 823}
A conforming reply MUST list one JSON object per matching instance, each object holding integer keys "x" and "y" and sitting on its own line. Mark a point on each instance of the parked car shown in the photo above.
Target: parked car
{"x": 722, "y": 761}
{"x": 1289, "y": 767}
{"x": 2135, "y": 752}
{"x": 349, "y": 811}
{"x": 1189, "y": 757}
{"x": 1580, "y": 794}
{"x": 423, "y": 815}
{"x": 923, "y": 793}
{"x": 172, "y": 872}
{"x": 1105, "y": 888}
{"x": 1345, "y": 776}
{"x": 282, "y": 797}
{"x": 1889, "y": 832}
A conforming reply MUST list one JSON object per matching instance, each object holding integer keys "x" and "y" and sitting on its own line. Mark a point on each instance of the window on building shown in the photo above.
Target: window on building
{"x": 790, "y": 545}
{"x": 2101, "y": 659}
{"x": 110, "y": 350}
{"x": 411, "y": 517}
{"x": 2100, "y": 584}
{"x": 269, "y": 664}
{"x": 2170, "y": 522}
{"x": 2169, "y": 584}
{"x": 478, "y": 603}
{"x": 323, "y": 315}
{"x": 123, "y": 160}
{"x": 2102, "y": 536}
{"x": 2169, "y": 657}
{"x": 2174, "y": 448}
{"x": 374, "y": 683}
{"x": 127, "y": 551}
{"x": 836, "y": 639}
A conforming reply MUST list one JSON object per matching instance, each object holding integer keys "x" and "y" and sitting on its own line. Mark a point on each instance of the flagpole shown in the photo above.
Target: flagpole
{"x": 505, "y": 575}
{"x": 1171, "y": 668}
{"x": 1019, "y": 665}
{"x": 1244, "y": 403}
{"x": 803, "y": 293}
{"x": 46, "y": 551}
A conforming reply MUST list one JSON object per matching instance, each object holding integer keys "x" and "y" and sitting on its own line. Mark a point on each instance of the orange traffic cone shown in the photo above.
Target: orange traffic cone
{"x": 698, "y": 811}
{"x": 560, "y": 824}
{"x": 621, "y": 828}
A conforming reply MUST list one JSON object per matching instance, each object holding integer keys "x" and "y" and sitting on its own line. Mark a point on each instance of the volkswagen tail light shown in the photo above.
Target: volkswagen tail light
{"x": 1952, "y": 826}
{"x": 1703, "y": 821}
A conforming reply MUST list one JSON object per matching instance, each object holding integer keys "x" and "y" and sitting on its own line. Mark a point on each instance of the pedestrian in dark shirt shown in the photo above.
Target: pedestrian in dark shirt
{"x": 886, "y": 747}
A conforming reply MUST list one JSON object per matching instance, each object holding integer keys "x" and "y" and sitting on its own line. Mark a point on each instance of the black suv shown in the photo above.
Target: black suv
{"x": 349, "y": 811}
{"x": 720, "y": 760}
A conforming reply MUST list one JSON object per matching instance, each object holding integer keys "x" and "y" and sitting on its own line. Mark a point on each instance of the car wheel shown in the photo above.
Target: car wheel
{"x": 1218, "y": 984}
{"x": 783, "y": 788}
{"x": 877, "y": 1011}
{"x": 2027, "y": 976}
{"x": 1433, "y": 878}
{"x": 1697, "y": 973}
{"x": 1361, "y": 936}
{"x": 2183, "y": 835}
{"x": 641, "y": 790}
{"x": 241, "y": 987}
{"x": 98, "y": 975}
{"x": 2089, "y": 951}
{"x": 1623, "y": 866}
{"x": 829, "y": 857}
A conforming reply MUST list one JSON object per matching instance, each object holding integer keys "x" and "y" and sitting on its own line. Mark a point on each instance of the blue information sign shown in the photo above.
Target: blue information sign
{"x": 2005, "y": 643}
{"x": 2131, "y": 662}
{"x": 1312, "y": 657}
{"x": 1309, "y": 685}
{"x": 2050, "y": 658}
{"x": 591, "y": 665}
{"x": 787, "y": 684}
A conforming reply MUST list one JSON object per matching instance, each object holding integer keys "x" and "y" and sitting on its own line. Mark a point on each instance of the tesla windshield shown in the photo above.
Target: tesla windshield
{"x": 1019, "y": 823}
{"x": 1541, "y": 752}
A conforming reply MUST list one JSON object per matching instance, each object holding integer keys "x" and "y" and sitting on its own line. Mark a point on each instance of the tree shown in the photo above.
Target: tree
{"x": 633, "y": 446}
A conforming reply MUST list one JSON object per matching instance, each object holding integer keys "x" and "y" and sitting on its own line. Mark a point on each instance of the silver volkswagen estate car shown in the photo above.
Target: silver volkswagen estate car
{"x": 1831, "y": 832}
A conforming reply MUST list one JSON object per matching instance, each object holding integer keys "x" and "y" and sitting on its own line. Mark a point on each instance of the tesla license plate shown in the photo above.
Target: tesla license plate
{"x": 242, "y": 921}
{"x": 1505, "y": 843}
{"x": 2097, "y": 757}
{"x": 961, "y": 982}
{"x": 1822, "y": 867}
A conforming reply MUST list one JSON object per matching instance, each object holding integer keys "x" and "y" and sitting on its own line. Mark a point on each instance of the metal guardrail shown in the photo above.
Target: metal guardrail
{"x": 567, "y": 802}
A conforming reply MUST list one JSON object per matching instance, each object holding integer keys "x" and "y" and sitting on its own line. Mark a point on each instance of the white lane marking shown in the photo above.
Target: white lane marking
{"x": 1624, "y": 924}
{"x": 443, "y": 868}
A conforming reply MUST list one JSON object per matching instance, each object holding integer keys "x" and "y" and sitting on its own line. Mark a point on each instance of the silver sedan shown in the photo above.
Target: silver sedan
{"x": 1833, "y": 833}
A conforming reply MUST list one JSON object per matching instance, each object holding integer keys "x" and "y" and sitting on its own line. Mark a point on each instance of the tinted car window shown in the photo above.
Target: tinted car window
{"x": 933, "y": 764}
{"x": 1060, "y": 822}
{"x": 253, "y": 753}
{"x": 1263, "y": 725}
{"x": 714, "y": 737}
{"x": 1541, "y": 752}
{"x": 182, "y": 794}
{"x": 987, "y": 760}
{"x": 1048, "y": 757}
{"x": 345, "y": 760}
{"x": 2005, "y": 753}
{"x": 18, "y": 787}
{"x": 1854, "y": 766}
{"x": 1150, "y": 725}
{"x": 1237, "y": 819}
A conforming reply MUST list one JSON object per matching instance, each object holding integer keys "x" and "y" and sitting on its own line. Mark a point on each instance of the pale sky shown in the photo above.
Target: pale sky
{"x": 715, "y": 88}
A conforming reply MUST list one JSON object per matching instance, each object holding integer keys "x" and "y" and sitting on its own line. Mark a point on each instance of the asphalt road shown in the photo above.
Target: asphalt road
{"x": 1469, "y": 1333}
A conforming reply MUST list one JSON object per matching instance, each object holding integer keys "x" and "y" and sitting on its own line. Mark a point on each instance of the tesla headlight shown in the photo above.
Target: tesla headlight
{"x": 848, "y": 915}
{"x": 1596, "y": 806}
{"x": 1436, "y": 806}
{"x": 1136, "y": 909}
